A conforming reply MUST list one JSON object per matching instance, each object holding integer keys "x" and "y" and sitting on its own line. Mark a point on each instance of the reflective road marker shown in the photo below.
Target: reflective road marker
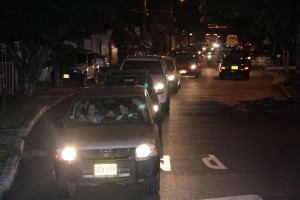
{"x": 165, "y": 165}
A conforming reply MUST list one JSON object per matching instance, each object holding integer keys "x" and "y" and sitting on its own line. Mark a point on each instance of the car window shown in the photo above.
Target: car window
{"x": 154, "y": 67}
{"x": 170, "y": 65}
{"x": 112, "y": 110}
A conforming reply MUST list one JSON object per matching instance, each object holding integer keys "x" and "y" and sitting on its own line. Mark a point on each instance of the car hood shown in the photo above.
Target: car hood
{"x": 108, "y": 136}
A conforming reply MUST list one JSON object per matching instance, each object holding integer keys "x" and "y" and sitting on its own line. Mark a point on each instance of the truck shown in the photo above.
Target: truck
{"x": 213, "y": 39}
{"x": 232, "y": 41}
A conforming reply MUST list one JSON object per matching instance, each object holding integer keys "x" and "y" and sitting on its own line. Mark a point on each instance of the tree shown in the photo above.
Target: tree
{"x": 32, "y": 28}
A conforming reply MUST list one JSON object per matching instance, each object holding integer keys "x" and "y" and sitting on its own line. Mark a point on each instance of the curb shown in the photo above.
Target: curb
{"x": 8, "y": 175}
{"x": 15, "y": 136}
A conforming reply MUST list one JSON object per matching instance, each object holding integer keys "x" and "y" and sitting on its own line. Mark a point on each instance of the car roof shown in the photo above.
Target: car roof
{"x": 128, "y": 73}
{"x": 144, "y": 57}
{"x": 114, "y": 91}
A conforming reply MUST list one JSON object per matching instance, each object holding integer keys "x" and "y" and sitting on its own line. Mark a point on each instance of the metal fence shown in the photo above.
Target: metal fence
{"x": 8, "y": 77}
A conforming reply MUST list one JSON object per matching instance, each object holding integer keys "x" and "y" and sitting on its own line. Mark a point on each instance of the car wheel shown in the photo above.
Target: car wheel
{"x": 167, "y": 105}
{"x": 197, "y": 75}
{"x": 221, "y": 77}
{"x": 152, "y": 185}
{"x": 247, "y": 76}
{"x": 83, "y": 81}
{"x": 66, "y": 189}
{"x": 95, "y": 78}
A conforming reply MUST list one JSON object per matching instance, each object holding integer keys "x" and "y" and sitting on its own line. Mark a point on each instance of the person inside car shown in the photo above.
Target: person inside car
{"x": 91, "y": 115}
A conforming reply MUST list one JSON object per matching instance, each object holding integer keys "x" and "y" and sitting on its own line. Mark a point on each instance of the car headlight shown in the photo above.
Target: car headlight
{"x": 66, "y": 154}
{"x": 155, "y": 108}
{"x": 193, "y": 66}
{"x": 204, "y": 48}
{"x": 171, "y": 77}
{"x": 159, "y": 86}
{"x": 145, "y": 150}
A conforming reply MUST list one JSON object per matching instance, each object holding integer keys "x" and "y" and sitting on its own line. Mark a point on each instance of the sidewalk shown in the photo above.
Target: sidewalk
{"x": 15, "y": 136}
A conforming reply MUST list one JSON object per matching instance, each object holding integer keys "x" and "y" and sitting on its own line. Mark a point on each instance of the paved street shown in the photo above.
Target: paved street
{"x": 223, "y": 138}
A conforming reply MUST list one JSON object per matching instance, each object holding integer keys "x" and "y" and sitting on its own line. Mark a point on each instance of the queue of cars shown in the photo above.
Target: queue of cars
{"x": 113, "y": 133}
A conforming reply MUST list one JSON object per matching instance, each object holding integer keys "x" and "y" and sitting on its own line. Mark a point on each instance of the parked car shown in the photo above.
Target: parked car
{"x": 234, "y": 66}
{"x": 174, "y": 76}
{"x": 121, "y": 146}
{"x": 102, "y": 62}
{"x": 136, "y": 77}
{"x": 86, "y": 68}
{"x": 157, "y": 69}
{"x": 188, "y": 64}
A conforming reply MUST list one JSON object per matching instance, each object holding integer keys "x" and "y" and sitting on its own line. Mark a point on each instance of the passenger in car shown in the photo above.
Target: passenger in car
{"x": 124, "y": 110}
{"x": 91, "y": 115}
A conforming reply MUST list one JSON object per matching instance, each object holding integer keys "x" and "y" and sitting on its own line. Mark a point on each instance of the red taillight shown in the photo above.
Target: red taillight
{"x": 223, "y": 67}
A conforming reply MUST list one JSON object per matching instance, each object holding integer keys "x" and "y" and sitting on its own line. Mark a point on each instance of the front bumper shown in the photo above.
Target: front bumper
{"x": 128, "y": 170}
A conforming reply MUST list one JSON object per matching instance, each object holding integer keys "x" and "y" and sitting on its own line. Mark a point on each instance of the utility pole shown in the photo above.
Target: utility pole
{"x": 145, "y": 19}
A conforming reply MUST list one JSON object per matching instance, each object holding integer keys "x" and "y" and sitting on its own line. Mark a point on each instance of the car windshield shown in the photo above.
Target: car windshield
{"x": 108, "y": 110}
{"x": 81, "y": 58}
{"x": 170, "y": 65}
{"x": 154, "y": 67}
{"x": 185, "y": 58}
{"x": 234, "y": 59}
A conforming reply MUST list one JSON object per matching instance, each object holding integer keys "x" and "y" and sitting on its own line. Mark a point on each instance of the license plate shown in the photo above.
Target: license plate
{"x": 234, "y": 67}
{"x": 66, "y": 75}
{"x": 183, "y": 71}
{"x": 105, "y": 169}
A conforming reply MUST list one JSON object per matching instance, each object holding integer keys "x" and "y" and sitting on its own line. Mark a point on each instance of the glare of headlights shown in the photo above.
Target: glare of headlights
{"x": 204, "y": 48}
{"x": 199, "y": 52}
{"x": 159, "y": 86}
{"x": 156, "y": 108}
{"x": 145, "y": 150}
{"x": 209, "y": 56}
{"x": 171, "y": 77}
{"x": 68, "y": 154}
{"x": 193, "y": 66}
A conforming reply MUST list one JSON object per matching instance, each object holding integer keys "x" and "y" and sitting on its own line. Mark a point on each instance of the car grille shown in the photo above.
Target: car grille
{"x": 105, "y": 153}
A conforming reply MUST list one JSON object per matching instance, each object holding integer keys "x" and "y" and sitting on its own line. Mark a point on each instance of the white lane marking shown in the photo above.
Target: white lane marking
{"x": 165, "y": 165}
{"x": 212, "y": 162}
{"x": 243, "y": 197}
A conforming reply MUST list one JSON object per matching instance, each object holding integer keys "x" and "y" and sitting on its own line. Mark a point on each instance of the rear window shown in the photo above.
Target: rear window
{"x": 154, "y": 67}
{"x": 81, "y": 58}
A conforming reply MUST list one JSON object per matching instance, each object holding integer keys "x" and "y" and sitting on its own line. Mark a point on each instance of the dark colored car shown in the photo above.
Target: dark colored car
{"x": 234, "y": 65}
{"x": 188, "y": 64}
{"x": 119, "y": 147}
{"x": 245, "y": 54}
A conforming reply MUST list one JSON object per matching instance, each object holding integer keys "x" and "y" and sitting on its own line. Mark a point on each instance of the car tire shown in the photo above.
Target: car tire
{"x": 247, "y": 77}
{"x": 95, "y": 78}
{"x": 83, "y": 81}
{"x": 152, "y": 185}
{"x": 66, "y": 189}
{"x": 197, "y": 75}
{"x": 167, "y": 105}
{"x": 221, "y": 77}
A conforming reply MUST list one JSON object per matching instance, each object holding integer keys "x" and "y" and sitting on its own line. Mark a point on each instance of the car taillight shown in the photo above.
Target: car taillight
{"x": 223, "y": 67}
{"x": 246, "y": 68}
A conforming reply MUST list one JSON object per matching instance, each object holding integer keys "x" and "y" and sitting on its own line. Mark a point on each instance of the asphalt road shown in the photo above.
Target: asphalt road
{"x": 230, "y": 138}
